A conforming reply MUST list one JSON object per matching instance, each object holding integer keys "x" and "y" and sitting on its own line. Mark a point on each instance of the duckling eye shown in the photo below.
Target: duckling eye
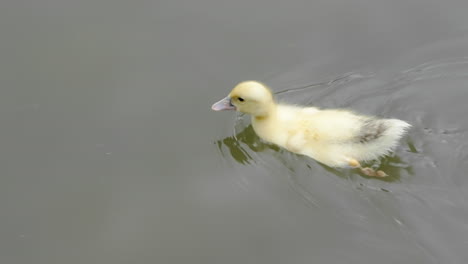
{"x": 241, "y": 99}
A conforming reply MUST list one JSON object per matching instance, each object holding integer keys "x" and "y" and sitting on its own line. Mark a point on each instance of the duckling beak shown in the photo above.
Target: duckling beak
{"x": 223, "y": 104}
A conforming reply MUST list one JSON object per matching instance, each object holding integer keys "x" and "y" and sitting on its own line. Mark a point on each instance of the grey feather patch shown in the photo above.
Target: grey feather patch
{"x": 371, "y": 129}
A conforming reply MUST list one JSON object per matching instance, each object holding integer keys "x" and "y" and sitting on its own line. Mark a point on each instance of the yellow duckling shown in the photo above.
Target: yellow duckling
{"x": 337, "y": 138}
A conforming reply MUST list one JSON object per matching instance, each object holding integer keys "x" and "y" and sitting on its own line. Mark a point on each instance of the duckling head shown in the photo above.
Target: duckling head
{"x": 250, "y": 97}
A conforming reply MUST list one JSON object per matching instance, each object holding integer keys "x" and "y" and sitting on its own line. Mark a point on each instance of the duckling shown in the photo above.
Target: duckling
{"x": 335, "y": 137}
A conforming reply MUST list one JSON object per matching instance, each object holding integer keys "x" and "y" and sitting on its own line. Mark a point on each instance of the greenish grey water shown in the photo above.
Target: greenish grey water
{"x": 110, "y": 152}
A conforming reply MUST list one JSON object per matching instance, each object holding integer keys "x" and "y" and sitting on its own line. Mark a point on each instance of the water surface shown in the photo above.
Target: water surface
{"x": 110, "y": 152}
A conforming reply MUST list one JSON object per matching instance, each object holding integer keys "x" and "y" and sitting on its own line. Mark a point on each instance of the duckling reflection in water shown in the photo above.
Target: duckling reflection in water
{"x": 335, "y": 137}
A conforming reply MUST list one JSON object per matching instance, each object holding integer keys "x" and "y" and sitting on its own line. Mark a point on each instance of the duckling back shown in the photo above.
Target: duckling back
{"x": 338, "y": 136}
{"x": 377, "y": 137}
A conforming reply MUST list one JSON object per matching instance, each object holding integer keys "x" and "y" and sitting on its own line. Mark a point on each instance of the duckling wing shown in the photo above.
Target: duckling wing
{"x": 371, "y": 130}
{"x": 332, "y": 126}
{"x": 330, "y": 135}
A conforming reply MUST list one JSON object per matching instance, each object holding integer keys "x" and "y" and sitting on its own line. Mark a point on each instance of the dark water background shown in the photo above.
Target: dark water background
{"x": 109, "y": 152}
